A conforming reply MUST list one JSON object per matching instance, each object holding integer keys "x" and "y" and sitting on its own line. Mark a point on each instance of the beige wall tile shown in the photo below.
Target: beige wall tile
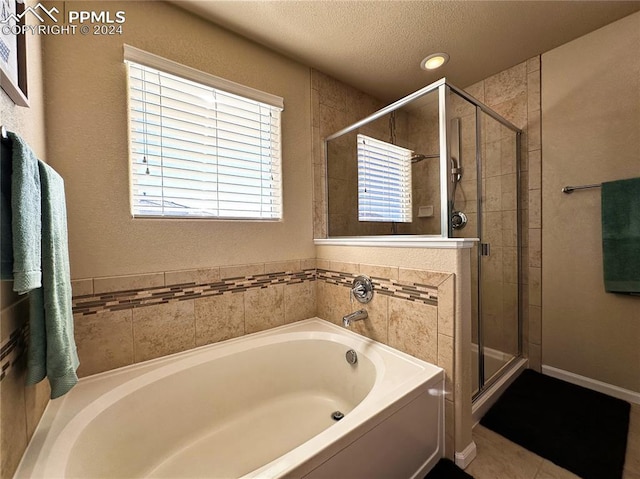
{"x": 449, "y": 425}
{"x": 82, "y": 287}
{"x": 535, "y": 169}
{"x": 219, "y": 318}
{"x": 533, "y": 91}
{"x": 299, "y": 301}
{"x": 197, "y": 276}
{"x": 308, "y": 263}
{"x": 332, "y": 92}
{"x": 291, "y": 266}
{"x": 384, "y": 272}
{"x": 493, "y": 194}
{"x": 413, "y": 328}
{"x": 446, "y": 307}
{"x": 342, "y": 267}
{"x": 513, "y": 110}
{"x": 505, "y": 85}
{"x": 36, "y": 400}
{"x": 510, "y": 265}
{"x": 445, "y": 361}
{"x": 418, "y": 276}
{"x": 535, "y": 290}
{"x": 104, "y": 341}
{"x": 535, "y": 356}
{"x": 533, "y": 64}
{"x": 264, "y": 308}
{"x": 535, "y": 209}
{"x": 12, "y": 416}
{"x": 163, "y": 329}
{"x": 535, "y": 324}
{"x": 477, "y": 91}
{"x": 332, "y": 301}
{"x": 376, "y": 324}
{"x": 241, "y": 271}
{"x": 323, "y": 264}
{"x": 125, "y": 283}
{"x": 535, "y": 247}
{"x": 533, "y": 131}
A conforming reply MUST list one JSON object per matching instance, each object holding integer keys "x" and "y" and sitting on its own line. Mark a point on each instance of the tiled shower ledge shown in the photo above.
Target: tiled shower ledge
{"x": 399, "y": 241}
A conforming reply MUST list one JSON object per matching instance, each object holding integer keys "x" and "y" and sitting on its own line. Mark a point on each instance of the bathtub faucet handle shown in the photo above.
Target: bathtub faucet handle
{"x": 362, "y": 289}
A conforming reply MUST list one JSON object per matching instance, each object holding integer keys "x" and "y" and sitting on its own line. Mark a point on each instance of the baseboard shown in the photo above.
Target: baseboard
{"x": 610, "y": 389}
{"x": 464, "y": 458}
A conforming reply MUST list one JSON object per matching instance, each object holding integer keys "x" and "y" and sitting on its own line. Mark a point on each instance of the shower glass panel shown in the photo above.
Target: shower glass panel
{"x": 359, "y": 178}
{"x": 485, "y": 192}
{"x": 440, "y": 163}
{"x": 499, "y": 255}
{"x": 465, "y": 202}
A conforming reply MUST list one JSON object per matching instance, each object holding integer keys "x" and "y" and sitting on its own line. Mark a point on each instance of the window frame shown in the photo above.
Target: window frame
{"x": 146, "y": 59}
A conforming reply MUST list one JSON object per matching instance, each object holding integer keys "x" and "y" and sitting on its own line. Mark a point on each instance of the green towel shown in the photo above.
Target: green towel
{"x": 26, "y": 217}
{"x": 52, "y": 349}
{"x": 621, "y": 236}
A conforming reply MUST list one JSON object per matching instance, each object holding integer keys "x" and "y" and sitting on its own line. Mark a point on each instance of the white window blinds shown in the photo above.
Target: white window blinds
{"x": 384, "y": 181}
{"x": 199, "y": 151}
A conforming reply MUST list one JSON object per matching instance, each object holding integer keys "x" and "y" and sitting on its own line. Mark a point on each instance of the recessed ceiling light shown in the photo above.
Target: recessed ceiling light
{"x": 433, "y": 61}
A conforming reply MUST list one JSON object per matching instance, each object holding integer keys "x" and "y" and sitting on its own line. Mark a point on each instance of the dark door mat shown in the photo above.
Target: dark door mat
{"x": 576, "y": 428}
{"x": 446, "y": 469}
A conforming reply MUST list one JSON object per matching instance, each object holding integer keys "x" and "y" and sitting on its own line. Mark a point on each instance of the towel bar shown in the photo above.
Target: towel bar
{"x": 571, "y": 189}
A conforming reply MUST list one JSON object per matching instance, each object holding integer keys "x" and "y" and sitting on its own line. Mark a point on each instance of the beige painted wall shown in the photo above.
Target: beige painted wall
{"x": 88, "y": 145}
{"x": 20, "y": 407}
{"x": 591, "y": 134}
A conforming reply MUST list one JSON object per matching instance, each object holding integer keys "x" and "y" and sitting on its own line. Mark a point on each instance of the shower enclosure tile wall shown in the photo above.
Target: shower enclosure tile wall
{"x": 514, "y": 94}
{"x": 334, "y": 106}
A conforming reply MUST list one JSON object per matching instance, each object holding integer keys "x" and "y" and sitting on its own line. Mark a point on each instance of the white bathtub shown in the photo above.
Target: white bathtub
{"x": 258, "y": 406}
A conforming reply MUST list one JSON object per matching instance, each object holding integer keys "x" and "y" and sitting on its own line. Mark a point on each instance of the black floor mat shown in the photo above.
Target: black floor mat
{"x": 576, "y": 428}
{"x": 446, "y": 469}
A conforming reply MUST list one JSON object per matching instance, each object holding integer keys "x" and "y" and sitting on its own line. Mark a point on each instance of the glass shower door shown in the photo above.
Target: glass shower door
{"x": 498, "y": 278}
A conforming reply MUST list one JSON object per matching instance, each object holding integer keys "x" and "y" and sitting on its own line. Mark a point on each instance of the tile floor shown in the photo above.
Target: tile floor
{"x": 499, "y": 458}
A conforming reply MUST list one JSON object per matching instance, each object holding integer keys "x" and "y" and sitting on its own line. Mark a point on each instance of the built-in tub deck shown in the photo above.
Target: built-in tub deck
{"x": 259, "y": 406}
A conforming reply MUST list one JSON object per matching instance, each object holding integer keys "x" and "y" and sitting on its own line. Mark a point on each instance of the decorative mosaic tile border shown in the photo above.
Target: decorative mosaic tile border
{"x": 120, "y": 300}
{"x": 388, "y": 287}
{"x": 12, "y": 351}
{"x": 15, "y": 347}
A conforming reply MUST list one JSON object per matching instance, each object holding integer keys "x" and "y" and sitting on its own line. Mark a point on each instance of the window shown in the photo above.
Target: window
{"x": 201, "y": 146}
{"x": 384, "y": 181}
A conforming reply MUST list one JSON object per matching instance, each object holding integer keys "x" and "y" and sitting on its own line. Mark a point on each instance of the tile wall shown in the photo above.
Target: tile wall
{"x": 413, "y": 311}
{"x": 127, "y": 319}
{"x": 514, "y": 94}
{"x": 21, "y": 406}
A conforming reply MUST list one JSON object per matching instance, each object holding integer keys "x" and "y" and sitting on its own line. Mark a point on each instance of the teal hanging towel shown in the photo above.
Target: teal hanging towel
{"x": 621, "y": 236}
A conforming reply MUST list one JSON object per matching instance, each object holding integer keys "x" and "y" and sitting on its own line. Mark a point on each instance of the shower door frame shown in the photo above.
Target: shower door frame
{"x": 444, "y": 91}
{"x": 483, "y": 384}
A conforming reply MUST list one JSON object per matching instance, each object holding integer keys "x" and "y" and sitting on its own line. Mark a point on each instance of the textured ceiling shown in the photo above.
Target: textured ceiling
{"x": 377, "y": 45}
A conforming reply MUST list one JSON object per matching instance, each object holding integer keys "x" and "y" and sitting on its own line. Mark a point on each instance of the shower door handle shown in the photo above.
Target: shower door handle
{"x": 485, "y": 249}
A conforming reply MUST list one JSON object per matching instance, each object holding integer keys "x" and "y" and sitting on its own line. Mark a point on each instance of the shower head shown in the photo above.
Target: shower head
{"x": 419, "y": 157}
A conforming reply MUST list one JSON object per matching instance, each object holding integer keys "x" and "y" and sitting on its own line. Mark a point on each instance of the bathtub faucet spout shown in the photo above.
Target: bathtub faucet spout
{"x": 355, "y": 316}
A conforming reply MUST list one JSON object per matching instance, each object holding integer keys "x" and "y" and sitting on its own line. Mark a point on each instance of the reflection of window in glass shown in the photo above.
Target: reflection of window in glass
{"x": 200, "y": 151}
{"x": 384, "y": 181}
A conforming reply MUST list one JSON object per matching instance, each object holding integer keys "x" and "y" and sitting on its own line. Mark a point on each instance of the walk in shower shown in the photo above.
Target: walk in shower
{"x": 438, "y": 163}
